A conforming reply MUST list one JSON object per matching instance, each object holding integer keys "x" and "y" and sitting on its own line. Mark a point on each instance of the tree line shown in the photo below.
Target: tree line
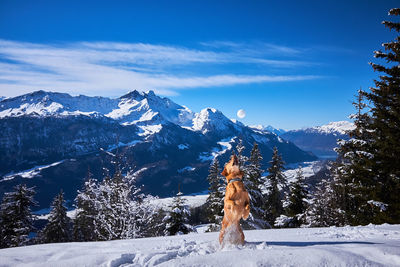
{"x": 108, "y": 210}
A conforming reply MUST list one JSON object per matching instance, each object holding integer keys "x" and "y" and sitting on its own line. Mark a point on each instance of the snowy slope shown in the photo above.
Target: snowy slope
{"x": 212, "y": 120}
{"x": 268, "y": 128}
{"x": 348, "y": 246}
{"x": 308, "y": 168}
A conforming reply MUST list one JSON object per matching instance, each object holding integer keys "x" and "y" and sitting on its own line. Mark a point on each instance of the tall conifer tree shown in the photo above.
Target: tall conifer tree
{"x": 356, "y": 185}
{"x": 215, "y": 200}
{"x": 254, "y": 184}
{"x": 385, "y": 126}
{"x": 87, "y": 210}
{"x": 16, "y": 217}
{"x": 297, "y": 200}
{"x": 275, "y": 179}
{"x": 58, "y": 228}
{"x": 176, "y": 220}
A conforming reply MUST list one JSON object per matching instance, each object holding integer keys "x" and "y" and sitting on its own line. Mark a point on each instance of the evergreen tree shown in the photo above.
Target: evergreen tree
{"x": 324, "y": 209}
{"x": 176, "y": 219}
{"x": 254, "y": 183}
{"x": 16, "y": 216}
{"x": 87, "y": 209}
{"x": 273, "y": 206}
{"x": 385, "y": 126}
{"x": 297, "y": 203}
{"x": 355, "y": 179}
{"x": 150, "y": 218}
{"x": 215, "y": 200}
{"x": 242, "y": 159}
{"x": 58, "y": 228}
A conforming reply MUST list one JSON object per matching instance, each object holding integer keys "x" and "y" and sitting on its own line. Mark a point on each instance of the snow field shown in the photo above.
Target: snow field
{"x": 335, "y": 246}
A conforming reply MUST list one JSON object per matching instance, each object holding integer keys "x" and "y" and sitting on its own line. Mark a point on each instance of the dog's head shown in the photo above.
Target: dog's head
{"x": 231, "y": 169}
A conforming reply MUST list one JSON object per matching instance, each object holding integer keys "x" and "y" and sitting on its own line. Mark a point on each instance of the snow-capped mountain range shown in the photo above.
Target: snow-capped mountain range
{"x": 338, "y": 127}
{"x": 163, "y": 143}
{"x": 133, "y": 108}
{"x": 269, "y": 128}
{"x": 320, "y": 140}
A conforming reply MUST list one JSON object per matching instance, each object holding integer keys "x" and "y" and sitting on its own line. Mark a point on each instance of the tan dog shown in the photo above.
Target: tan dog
{"x": 236, "y": 204}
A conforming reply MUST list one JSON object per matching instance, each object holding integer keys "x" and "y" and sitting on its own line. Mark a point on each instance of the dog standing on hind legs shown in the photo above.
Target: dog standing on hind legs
{"x": 236, "y": 204}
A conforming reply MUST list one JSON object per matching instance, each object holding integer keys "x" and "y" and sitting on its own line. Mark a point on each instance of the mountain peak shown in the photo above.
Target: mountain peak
{"x": 268, "y": 128}
{"x": 150, "y": 93}
{"x": 210, "y": 118}
{"x": 135, "y": 94}
{"x": 341, "y": 127}
{"x": 38, "y": 92}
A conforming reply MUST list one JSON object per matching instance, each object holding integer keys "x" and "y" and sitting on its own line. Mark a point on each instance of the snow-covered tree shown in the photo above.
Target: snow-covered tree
{"x": 16, "y": 217}
{"x": 353, "y": 170}
{"x": 58, "y": 228}
{"x": 296, "y": 203}
{"x": 176, "y": 219}
{"x": 149, "y": 218}
{"x": 87, "y": 209}
{"x": 116, "y": 218}
{"x": 242, "y": 159}
{"x": 275, "y": 179}
{"x": 215, "y": 201}
{"x": 324, "y": 209}
{"x": 114, "y": 209}
{"x": 385, "y": 127}
{"x": 254, "y": 183}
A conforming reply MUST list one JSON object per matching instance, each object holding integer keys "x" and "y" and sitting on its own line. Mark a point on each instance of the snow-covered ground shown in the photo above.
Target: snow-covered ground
{"x": 31, "y": 173}
{"x": 191, "y": 201}
{"x": 347, "y": 246}
{"x": 309, "y": 169}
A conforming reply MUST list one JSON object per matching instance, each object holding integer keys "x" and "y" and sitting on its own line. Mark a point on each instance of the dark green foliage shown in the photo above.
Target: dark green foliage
{"x": 16, "y": 217}
{"x": 297, "y": 200}
{"x": 355, "y": 180}
{"x": 273, "y": 206}
{"x": 176, "y": 220}
{"x": 385, "y": 113}
{"x": 58, "y": 228}
{"x": 325, "y": 209}
{"x": 253, "y": 181}
{"x": 368, "y": 171}
{"x": 215, "y": 200}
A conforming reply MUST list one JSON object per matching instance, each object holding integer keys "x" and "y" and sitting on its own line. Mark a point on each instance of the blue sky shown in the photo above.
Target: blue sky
{"x": 289, "y": 64}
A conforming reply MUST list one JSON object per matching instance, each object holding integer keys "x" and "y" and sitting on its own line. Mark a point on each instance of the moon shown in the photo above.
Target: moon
{"x": 241, "y": 113}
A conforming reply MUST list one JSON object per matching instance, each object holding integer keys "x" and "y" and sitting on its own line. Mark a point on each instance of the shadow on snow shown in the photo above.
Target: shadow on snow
{"x": 306, "y": 244}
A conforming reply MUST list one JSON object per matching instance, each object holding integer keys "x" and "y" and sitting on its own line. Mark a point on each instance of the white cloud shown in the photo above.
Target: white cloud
{"x": 108, "y": 68}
